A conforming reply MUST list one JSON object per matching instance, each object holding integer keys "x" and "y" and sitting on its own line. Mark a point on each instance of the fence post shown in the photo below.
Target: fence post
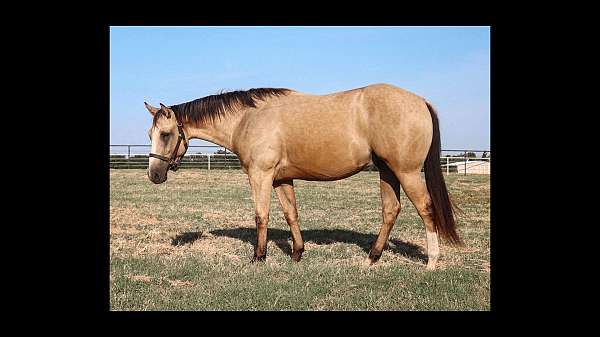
{"x": 128, "y": 152}
{"x": 208, "y": 161}
{"x": 466, "y": 161}
{"x": 447, "y": 165}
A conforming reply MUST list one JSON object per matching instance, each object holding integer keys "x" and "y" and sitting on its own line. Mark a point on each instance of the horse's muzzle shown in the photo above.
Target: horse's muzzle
{"x": 156, "y": 177}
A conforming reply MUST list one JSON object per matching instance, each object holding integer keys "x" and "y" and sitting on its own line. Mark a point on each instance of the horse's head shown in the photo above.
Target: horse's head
{"x": 167, "y": 136}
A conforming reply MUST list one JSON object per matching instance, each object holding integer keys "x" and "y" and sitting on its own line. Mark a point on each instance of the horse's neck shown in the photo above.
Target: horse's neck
{"x": 219, "y": 131}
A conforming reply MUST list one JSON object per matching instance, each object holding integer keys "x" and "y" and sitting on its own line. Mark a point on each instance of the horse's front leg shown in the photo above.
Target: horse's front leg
{"x": 261, "y": 182}
{"x": 287, "y": 199}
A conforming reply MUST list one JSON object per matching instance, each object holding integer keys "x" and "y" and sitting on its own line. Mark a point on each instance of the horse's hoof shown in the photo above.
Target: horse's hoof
{"x": 258, "y": 258}
{"x": 374, "y": 257}
{"x": 297, "y": 255}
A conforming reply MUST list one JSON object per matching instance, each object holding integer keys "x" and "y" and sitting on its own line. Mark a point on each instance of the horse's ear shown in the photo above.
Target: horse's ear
{"x": 152, "y": 109}
{"x": 166, "y": 110}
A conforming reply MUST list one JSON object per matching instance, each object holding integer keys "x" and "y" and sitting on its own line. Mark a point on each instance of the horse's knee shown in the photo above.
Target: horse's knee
{"x": 390, "y": 212}
{"x": 261, "y": 219}
{"x": 426, "y": 208}
{"x": 427, "y": 213}
{"x": 291, "y": 217}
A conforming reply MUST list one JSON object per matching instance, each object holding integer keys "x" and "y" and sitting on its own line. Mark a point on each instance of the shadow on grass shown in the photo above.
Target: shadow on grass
{"x": 187, "y": 237}
{"x": 322, "y": 237}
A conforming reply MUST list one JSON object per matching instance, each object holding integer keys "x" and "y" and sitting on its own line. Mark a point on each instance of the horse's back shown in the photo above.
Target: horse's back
{"x": 332, "y": 136}
{"x": 324, "y": 137}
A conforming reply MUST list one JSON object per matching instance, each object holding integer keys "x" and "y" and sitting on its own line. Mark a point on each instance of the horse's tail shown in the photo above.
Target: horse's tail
{"x": 442, "y": 207}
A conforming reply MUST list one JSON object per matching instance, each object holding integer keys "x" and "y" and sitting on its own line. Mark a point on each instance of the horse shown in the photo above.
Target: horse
{"x": 280, "y": 135}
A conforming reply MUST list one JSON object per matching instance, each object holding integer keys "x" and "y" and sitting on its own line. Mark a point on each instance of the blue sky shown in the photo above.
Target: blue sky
{"x": 450, "y": 66}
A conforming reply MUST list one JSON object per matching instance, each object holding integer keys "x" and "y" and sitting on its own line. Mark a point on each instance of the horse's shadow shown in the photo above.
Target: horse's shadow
{"x": 318, "y": 236}
{"x": 184, "y": 238}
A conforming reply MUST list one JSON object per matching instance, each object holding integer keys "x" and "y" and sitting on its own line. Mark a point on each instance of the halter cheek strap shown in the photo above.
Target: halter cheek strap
{"x": 175, "y": 160}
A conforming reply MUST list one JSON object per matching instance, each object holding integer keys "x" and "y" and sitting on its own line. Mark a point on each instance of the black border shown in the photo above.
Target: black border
{"x": 93, "y": 44}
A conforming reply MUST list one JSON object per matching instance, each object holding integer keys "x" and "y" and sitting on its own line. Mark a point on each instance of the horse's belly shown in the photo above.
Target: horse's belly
{"x": 325, "y": 165}
{"x": 320, "y": 175}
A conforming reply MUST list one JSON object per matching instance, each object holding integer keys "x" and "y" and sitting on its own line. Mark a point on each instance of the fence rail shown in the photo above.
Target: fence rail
{"x": 136, "y": 157}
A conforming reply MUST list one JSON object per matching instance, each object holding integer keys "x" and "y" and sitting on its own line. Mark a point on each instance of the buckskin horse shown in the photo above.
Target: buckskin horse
{"x": 280, "y": 135}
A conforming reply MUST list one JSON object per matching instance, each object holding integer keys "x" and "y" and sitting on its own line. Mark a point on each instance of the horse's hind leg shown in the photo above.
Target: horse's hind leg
{"x": 390, "y": 200}
{"x": 417, "y": 192}
{"x": 287, "y": 199}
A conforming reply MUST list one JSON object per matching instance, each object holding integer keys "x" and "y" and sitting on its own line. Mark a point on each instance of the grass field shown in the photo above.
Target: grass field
{"x": 187, "y": 245}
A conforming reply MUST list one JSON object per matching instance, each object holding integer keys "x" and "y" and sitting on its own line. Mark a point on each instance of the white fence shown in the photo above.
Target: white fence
{"x": 466, "y": 165}
{"x": 136, "y": 156}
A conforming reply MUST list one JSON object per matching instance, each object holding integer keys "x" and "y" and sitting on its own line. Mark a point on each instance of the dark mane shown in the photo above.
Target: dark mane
{"x": 217, "y": 106}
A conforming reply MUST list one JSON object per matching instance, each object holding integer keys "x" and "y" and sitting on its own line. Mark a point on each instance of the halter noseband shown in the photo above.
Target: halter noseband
{"x": 175, "y": 160}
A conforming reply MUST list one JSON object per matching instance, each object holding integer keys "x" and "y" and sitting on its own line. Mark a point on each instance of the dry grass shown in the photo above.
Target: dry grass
{"x": 186, "y": 244}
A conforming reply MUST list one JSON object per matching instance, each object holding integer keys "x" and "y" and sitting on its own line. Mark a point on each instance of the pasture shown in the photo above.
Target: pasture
{"x": 187, "y": 245}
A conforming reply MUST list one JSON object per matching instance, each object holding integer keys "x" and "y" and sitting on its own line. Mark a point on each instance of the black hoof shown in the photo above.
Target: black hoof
{"x": 374, "y": 257}
{"x": 258, "y": 258}
{"x": 297, "y": 255}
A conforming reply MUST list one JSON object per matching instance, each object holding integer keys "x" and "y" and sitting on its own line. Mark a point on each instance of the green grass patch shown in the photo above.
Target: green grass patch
{"x": 187, "y": 245}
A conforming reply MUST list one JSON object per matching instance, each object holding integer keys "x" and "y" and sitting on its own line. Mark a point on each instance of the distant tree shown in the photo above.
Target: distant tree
{"x": 484, "y": 155}
{"x": 221, "y": 152}
{"x": 466, "y": 154}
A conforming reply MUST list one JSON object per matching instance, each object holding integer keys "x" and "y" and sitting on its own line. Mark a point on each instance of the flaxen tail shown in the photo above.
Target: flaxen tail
{"x": 442, "y": 207}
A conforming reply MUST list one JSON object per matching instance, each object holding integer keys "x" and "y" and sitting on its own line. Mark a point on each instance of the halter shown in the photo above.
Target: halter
{"x": 175, "y": 160}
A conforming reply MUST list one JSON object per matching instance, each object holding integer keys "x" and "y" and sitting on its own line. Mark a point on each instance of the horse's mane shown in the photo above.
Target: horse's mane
{"x": 217, "y": 106}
